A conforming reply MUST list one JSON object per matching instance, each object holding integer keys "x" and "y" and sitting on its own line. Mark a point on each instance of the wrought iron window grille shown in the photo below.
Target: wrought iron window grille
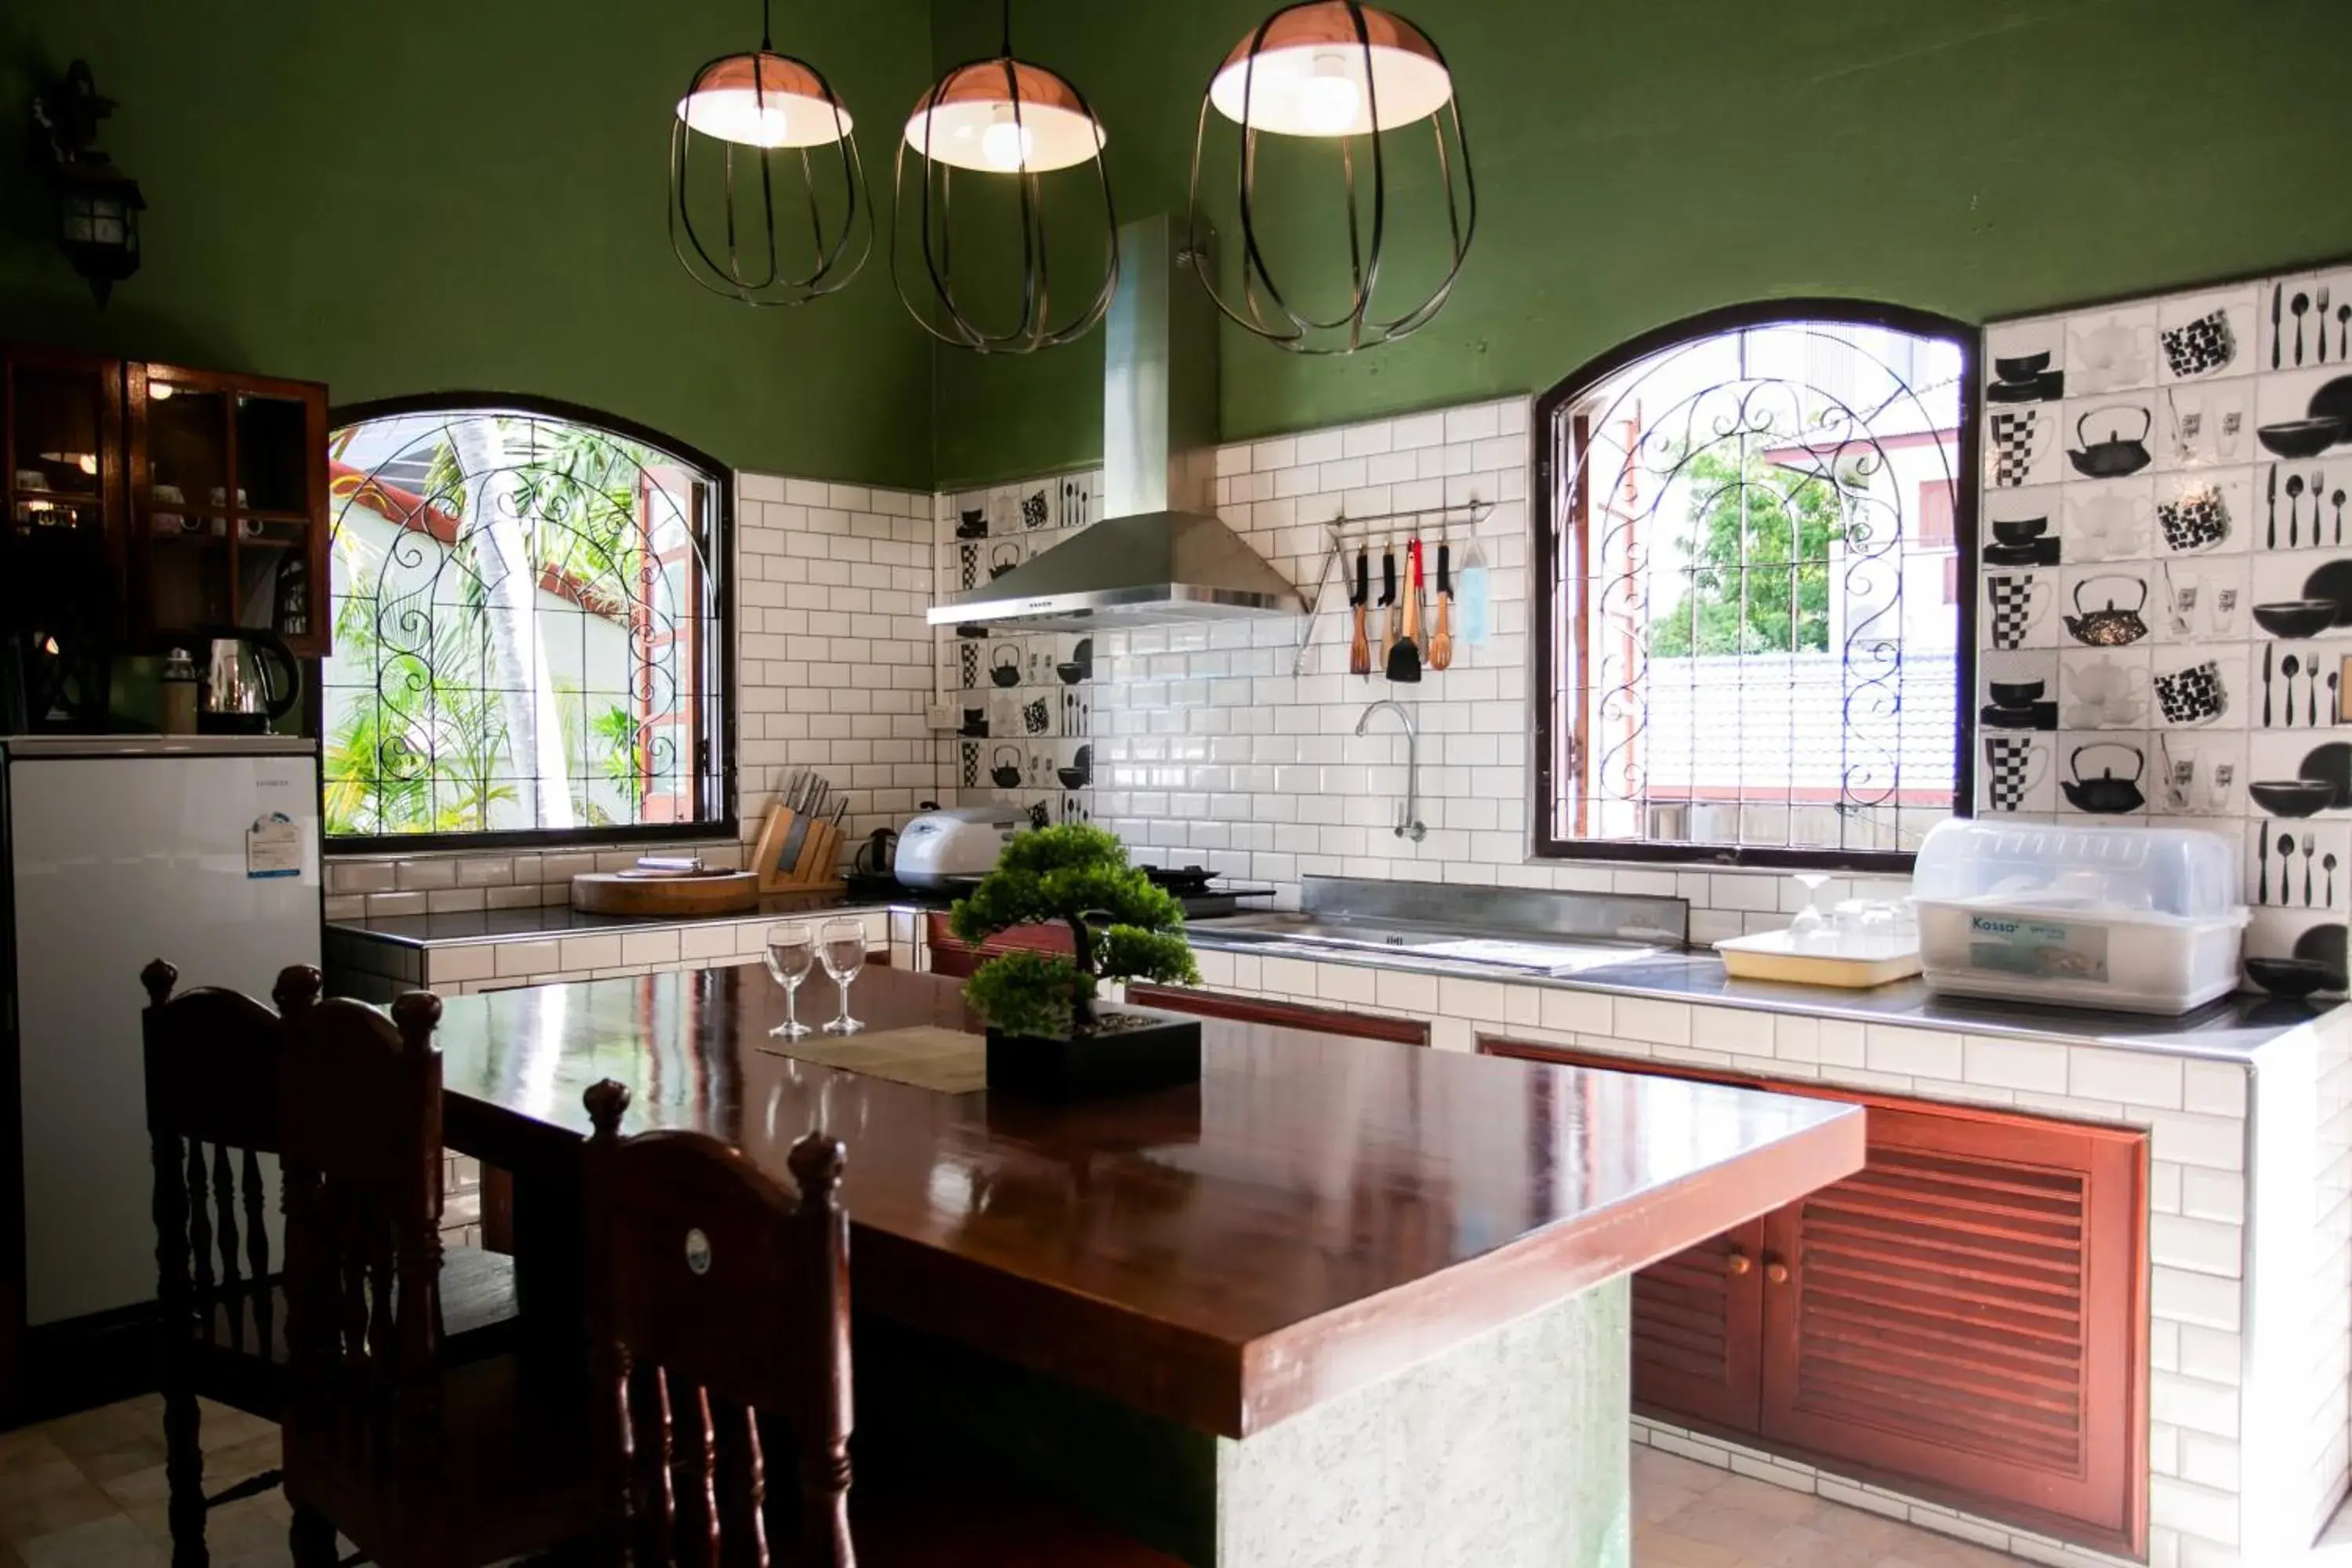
{"x": 1739, "y": 658}
{"x": 533, "y": 631}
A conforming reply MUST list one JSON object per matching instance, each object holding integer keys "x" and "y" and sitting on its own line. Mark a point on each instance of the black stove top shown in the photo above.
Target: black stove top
{"x": 1201, "y": 892}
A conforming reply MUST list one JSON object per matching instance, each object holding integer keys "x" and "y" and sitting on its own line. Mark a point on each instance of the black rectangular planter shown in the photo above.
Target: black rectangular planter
{"x": 1165, "y": 1053}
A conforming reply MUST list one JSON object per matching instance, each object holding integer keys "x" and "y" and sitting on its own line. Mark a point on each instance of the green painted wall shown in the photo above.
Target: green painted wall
{"x": 1639, "y": 163}
{"x": 468, "y": 192}
{"x": 442, "y": 194}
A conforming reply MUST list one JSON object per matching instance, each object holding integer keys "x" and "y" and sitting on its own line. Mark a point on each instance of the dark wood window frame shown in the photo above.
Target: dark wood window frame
{"x": 722, "y": 827}
{"x": 1546, "y": 548}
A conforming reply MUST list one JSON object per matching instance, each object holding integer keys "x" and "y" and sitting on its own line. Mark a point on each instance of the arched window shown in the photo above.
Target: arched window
{"x": 1751, "y": 626}
{"x": 531, "y": 629}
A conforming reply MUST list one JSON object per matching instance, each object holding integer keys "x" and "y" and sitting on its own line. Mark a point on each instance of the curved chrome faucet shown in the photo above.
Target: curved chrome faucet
{"x": 1409, "y": 824}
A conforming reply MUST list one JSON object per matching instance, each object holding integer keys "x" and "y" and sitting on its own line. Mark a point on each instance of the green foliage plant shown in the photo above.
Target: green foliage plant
{"x": 1121, "y": 928}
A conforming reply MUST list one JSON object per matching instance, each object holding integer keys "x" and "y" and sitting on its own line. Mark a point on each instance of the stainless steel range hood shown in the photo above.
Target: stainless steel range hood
{"x": 1159, "y": 555}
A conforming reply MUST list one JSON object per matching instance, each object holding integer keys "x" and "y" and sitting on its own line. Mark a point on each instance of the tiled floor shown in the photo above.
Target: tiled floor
{"x": 87, "y": 1493}
{"x": 1689, "y": 1515}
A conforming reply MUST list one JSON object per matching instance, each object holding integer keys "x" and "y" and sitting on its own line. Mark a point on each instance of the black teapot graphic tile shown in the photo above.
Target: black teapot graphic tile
{"x": 2115, "y": 453}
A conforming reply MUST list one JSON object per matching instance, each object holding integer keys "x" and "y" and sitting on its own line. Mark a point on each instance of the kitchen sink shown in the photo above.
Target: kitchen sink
{"x": 1308, "y": 934}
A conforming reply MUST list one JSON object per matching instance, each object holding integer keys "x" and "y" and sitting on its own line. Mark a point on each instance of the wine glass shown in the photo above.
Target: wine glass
{"x": 1810, "y": 922}
{"x": 843, "y": 952}
{"x": 791, "y": 954}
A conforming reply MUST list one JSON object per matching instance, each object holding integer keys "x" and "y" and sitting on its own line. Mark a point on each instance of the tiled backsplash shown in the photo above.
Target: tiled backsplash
{"x": 2166, "y": 589}
{"x": 1213, "y": 744}
{"x": 832, "y": 672}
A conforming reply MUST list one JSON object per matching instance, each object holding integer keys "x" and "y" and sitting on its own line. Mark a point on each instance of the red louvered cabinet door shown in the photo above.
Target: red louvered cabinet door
{"x": 1958, "y": 1312}
{"x": 1698, "y": 1330}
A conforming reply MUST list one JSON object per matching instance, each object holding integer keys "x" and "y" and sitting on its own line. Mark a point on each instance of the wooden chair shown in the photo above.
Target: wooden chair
{"x": 718, "y": 1325}
{"x": 417, "y": 1459}
{"x": 211, "y": 1079}
{"x": 212, "y": 1082}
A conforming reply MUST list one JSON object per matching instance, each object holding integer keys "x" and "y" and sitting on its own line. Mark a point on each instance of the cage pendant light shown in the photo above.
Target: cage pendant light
{"x": 766, "y": 120}
{"x": 992, "y": 121}
{"x": 1354, "y": 76}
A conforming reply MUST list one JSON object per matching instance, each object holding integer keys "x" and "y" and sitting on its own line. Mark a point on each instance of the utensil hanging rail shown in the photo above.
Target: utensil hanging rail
{"x": 1392, "y": 525}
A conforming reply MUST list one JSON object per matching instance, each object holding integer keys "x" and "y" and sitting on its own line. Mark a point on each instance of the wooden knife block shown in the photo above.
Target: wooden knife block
{"x": 797, "y": 854}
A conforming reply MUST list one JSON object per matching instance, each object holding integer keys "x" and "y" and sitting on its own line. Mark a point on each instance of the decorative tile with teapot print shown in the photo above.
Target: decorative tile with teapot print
{"x": 2187, "y": 453}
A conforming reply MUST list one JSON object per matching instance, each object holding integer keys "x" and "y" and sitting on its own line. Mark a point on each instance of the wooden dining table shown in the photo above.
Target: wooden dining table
{"x": 1210, "y": 1294}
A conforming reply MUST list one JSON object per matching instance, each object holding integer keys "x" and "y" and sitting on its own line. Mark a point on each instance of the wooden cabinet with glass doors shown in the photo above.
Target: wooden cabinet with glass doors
{"x": 61, "y": 441}
{"x": 209, "y": 489}
{"x": 227, "y": 482}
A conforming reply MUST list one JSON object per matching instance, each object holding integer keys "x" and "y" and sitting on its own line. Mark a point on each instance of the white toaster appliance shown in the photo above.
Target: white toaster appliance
{"x": 940, "y": 848}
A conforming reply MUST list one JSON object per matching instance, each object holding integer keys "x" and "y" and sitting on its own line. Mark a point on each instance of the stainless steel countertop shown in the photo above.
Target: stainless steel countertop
{"x": 2228, "y": 1030}
{"x": 2231, "y": 1029}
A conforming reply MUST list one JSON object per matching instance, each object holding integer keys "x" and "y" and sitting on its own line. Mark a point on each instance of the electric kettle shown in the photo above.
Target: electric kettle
{"x": 251, "y": 682}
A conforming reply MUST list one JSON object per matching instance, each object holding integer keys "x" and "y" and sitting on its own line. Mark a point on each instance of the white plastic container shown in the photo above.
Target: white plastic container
{"x": 2142, "y": 919}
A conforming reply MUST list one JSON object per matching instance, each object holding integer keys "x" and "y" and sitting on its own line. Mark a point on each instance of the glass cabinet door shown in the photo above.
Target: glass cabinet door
{"x": 61, "y": 431}
{"x": 274, "y": 524}
{"x": 229, "y": 490}
{"x": 186, "y": 505}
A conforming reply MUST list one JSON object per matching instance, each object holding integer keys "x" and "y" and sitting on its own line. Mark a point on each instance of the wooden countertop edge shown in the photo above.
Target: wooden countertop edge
{"x": 1163, "y": 1369}
{"x": 1315, "y": 1361}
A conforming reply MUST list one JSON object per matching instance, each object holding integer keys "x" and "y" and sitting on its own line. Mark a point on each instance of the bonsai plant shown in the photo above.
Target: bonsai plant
{"x": 1044, "y": 1024}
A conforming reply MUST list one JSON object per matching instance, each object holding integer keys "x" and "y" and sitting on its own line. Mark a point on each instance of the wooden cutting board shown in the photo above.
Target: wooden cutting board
{"x": 712, "y": 893}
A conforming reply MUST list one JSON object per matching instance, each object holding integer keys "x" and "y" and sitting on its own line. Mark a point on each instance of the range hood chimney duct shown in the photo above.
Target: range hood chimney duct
{"x": 1161, "y": 554}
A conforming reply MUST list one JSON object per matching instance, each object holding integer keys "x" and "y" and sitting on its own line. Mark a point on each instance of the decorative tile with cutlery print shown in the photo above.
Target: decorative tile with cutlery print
{"x": 2165, "y": 582}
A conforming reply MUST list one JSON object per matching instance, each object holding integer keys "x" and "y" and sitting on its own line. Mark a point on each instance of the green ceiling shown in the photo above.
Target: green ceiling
{"x": 436, "y": 195}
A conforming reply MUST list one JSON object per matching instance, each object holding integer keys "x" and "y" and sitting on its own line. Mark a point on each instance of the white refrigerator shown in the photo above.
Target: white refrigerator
{"x": 202, "y": 850}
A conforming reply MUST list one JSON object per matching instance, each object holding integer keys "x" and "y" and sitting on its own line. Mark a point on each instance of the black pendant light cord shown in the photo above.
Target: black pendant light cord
{"x": 1005, "y": 45}
{"x": 767, "y": 34}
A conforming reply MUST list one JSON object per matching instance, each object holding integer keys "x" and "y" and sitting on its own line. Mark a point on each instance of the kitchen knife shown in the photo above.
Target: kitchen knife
{"x": 2271, "y": 542}
{"x": 1359, "y": 648}
{"x": 796, "y": 837}
{"x": 2278, "y": 297}
{"x": 1388, "y": 599}
{"x": 2267, "y": 651}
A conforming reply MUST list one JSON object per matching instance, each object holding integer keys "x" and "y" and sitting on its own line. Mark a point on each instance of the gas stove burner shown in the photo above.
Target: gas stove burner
{"x": 1185, "y": 882}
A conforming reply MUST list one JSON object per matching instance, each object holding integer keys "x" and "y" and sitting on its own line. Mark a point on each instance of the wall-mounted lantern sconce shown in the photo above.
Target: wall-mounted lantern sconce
{"x": 98, "y": 205}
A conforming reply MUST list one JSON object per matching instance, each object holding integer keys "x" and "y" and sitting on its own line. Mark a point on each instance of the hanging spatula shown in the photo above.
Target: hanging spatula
{"x": 1359, "y": 648}
{"x": 1404, "y": 653}
{"x": 1440, "y": 641}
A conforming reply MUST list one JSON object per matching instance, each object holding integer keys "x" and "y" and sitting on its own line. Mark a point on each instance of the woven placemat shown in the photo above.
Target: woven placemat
{"x": 946, "y": 1061}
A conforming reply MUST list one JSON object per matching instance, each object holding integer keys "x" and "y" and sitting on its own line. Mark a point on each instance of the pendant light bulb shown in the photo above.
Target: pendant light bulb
{"x": 1007, "y": 145}
{"x": 1328, "y": 99}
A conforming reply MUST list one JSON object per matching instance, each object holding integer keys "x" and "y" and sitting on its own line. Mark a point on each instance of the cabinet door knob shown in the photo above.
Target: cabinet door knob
{"x": 1738, "y": 1263}
{"x": 1775, "y": 1271}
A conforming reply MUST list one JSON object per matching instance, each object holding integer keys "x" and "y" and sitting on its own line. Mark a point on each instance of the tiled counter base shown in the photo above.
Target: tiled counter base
{"x": 2250, "y": 1241}
{"x": 376, "y": 967}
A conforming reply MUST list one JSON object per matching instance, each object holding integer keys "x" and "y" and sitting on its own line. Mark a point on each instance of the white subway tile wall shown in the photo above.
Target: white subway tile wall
{"x": 1215, "y": 745}
{"x": 832, "y": 672}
